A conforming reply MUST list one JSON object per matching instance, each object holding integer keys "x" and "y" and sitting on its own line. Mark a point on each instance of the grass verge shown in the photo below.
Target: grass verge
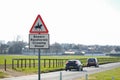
{"x": 105, "y": 75}
{"x": 3, "y": 75}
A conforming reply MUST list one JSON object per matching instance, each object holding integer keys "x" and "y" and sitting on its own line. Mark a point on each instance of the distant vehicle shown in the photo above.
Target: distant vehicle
{"x": 74, "y": 64}
{"x": 92, "y": 62}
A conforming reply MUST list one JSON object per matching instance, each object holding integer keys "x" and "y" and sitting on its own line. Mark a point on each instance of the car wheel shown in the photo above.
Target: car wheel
{"x": 78, "y": 69}
{"x": 82, "y": 69}
{"x": 88, "y": 66}
{"x": 97, "y": 66}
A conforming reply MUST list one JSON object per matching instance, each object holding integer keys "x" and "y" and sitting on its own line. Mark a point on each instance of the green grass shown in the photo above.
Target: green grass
{"x": 101, "y": 59}
{"x": 3, "y": 75}
{"x": 10, "y": 57}
{"x": 105, "y": 75}
{"x": 35, "y": 70}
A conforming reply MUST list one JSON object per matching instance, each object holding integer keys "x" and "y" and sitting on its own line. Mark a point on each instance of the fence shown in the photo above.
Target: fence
{"x": 45, "y": 63}
{"x": 48, "y": 63}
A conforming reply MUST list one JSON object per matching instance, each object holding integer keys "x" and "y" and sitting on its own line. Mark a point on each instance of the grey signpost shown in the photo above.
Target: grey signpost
{"x": 39, "y": 68}
{"x": 39, "y": 39}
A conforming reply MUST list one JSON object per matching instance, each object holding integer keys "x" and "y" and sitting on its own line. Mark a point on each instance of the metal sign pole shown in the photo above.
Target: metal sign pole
{"x": 39, "y": 72}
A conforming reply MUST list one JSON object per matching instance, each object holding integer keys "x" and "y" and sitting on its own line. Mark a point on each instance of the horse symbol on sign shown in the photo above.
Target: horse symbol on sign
{"x": 38, "y": 27}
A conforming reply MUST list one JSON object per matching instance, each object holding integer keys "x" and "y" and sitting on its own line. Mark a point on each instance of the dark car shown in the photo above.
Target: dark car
{"x": 73, "y": 64}
{"x": 92, "y": 62}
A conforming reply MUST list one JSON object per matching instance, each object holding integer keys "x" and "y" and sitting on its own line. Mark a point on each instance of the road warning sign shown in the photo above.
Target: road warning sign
{"x": 38, "y": 37}
{"x": 38, "y": 26}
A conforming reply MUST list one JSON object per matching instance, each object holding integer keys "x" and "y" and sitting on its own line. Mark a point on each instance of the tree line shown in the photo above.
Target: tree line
{"x": 16, "y": 47}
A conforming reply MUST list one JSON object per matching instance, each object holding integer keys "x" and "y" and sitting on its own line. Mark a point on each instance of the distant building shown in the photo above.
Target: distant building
{"x": 69, "y": 52}
{"x": 95, "y": 53}
{"x": 2, "y": 42}
{"x": 113, "y": 53}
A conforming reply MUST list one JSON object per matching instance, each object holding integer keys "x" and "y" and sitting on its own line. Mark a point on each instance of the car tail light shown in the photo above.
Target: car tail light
{"x": 76, "y": 62}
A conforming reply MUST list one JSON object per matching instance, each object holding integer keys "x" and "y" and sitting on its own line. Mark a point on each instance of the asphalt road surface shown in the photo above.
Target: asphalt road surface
{"x": 67, "y": 75}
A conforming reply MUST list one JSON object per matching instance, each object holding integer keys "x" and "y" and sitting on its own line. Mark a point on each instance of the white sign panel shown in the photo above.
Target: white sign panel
{"x": 39, "y": 40}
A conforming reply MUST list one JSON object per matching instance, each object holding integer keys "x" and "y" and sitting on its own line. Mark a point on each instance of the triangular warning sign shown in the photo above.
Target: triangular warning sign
{"x": 38, "y": 26}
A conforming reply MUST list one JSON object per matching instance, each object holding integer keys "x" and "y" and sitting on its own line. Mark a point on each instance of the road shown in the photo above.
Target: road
{"x": 67, "y": 75}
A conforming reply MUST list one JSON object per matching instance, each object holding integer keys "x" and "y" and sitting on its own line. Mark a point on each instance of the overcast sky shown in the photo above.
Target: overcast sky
{"x": 68, "y": 21}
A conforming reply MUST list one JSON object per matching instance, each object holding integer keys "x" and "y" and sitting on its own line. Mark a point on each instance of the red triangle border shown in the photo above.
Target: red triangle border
{"x": 38, "y": 32}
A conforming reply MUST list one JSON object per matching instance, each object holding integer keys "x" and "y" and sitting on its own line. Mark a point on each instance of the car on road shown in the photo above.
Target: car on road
{"x": 74, "y": 64}
{"x": 92, "y": 62}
